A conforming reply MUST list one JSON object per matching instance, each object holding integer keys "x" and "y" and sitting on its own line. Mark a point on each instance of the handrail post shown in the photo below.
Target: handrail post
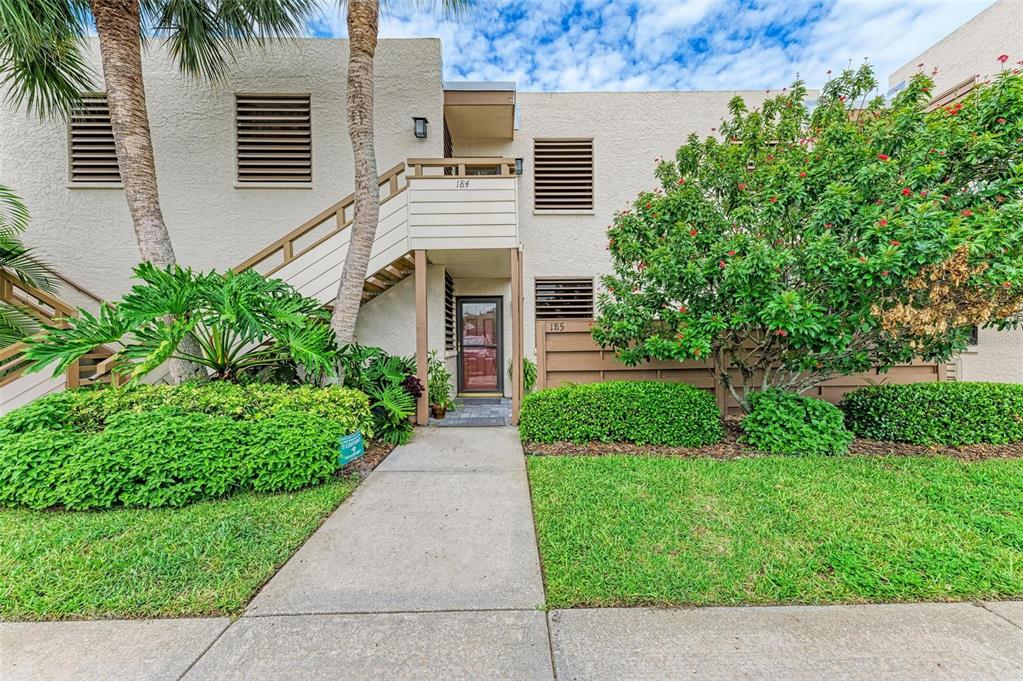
{"x": 73, "y": 379}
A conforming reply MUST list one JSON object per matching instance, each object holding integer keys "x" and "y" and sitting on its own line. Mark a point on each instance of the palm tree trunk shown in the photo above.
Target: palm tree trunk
{"x": 363, "y": 18}
{"x": 120, "y": 42}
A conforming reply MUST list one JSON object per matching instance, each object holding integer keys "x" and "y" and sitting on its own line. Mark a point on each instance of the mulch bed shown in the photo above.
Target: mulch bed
{"x": 376, "y": 452}
{"x": 731, "y": 448}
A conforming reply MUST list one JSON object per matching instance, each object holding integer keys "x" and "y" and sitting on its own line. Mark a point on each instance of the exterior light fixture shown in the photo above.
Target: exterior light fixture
{"x": 419, "y": 126}
{"x": 518, "y": 166}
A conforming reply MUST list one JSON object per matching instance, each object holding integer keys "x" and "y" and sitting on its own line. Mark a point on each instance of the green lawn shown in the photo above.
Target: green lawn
{"x": 204, "y": 559}
{"x": 643, "y": 530}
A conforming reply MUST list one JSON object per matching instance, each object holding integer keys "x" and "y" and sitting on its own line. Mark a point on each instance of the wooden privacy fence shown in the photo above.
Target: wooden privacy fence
{"x": 566, "y": 353}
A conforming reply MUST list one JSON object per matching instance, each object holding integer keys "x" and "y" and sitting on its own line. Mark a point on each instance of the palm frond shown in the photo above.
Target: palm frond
{"x": 203, "y": 36}
{"x": 15, "y": 325}
{"x": 13, "y": 212}
{"x": 64, "y": 345}
{"x": 42, "y": 64}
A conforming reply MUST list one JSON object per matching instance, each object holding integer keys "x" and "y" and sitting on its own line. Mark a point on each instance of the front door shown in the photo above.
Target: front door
{"x": 479, "y": 345}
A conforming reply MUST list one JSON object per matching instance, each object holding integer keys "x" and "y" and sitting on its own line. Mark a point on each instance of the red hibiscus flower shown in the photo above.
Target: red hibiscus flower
{"x": 742, "y": 185}
{"x": 681, "y": 180}
{"x": 893, "y": 242}
{"x": 802, "y": 174}
{"x": 906, "y": 191}
{"x": 731, "y": 252}
{"x": 967, "y": 212}
{"x": 883, "y": 157}
{"x": 692, "y": 232}
{"x": 1001, "y": 121}
{"x": 773, "y": 199}
{"x": 882, "y": 222}
{"x": 1003, "y": 58}
{"x": 721, "y": 264}
{"x": 683, "y": 309}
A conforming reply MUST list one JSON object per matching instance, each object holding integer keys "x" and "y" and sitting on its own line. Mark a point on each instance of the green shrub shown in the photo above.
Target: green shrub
{"x": 49, "y": 413}
{"x": 31, "y": 463}
{"x": 947, "y": 413}
{"x": 643, "y": 412}
{"x": 153, "y": 446}
{"x": 89, "y": 410}
{"x": 291, "y": 451}
{"x": 155, "y": 458}
{"x": 782, "y": 422}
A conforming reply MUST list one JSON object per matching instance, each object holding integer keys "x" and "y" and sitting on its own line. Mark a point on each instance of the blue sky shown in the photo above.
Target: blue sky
{"x": 575, "y": 45}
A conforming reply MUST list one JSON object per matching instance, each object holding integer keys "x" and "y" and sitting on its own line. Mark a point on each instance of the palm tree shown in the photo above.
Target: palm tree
{"x": 19, "y": 261}
{"x": 42, "y": 65}
{"x": 363, "y": 20}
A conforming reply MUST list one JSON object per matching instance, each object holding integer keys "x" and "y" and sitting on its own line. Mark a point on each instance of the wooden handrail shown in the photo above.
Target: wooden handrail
{"x": 10, "y": 286}
{"x": 459, "y": 167}
{"x": 286, "y": 244}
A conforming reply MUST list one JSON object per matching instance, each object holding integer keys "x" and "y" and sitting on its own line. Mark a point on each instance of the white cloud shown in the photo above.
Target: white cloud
{"x": 681, "y": 44}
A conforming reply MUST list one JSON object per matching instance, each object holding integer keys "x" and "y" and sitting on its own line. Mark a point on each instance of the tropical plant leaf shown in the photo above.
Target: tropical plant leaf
{"x": 61, "y": 346}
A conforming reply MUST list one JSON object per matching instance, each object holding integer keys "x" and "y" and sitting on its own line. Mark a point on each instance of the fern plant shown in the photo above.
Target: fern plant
{"x": 243, "y": 324}
{"x": 390, "y": 383}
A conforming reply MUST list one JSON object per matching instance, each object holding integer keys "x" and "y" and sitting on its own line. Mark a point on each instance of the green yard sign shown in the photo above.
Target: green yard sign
{"x": 350, "y": 447}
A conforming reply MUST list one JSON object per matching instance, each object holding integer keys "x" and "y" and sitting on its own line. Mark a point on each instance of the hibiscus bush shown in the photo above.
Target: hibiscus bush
{"x": 802, "y": 243}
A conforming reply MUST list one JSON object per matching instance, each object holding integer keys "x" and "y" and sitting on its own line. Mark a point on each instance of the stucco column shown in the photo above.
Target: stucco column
{"x": 422, "y": 339}
{"x": 516, "y": 335}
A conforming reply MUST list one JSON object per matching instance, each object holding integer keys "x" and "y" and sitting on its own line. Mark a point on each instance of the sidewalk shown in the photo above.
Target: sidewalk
{"x": 430, "y": 571}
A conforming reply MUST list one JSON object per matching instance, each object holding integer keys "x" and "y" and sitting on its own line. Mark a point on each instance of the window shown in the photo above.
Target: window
{"x": 563, "y": 174}
{"x": 274, "y": 135}
{"x": 92, "y": 157}
{"x": 974, "y": 335}
{"x": 564, "y": 298}
{"x": 449, "y": 312}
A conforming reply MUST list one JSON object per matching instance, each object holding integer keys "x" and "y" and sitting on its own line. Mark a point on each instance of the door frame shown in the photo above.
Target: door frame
{"x": 499, "y": 300}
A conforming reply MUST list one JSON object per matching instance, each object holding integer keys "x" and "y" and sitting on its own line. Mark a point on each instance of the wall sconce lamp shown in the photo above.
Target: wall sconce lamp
{"x": 518, "y": 166}
{"x": 419, "y": 127}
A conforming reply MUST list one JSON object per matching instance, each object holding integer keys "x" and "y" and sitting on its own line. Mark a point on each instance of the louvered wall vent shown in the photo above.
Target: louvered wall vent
{"x": 564, "y": 298}
{"x": 274, "y": 138}
{"x": 563, "y": 174}
{"x": 93, "y": 158}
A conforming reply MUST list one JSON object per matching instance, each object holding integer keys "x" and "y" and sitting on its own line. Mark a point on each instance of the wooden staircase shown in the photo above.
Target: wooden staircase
{"x": 18, "y": 388}
{"x": 320, "y": 229}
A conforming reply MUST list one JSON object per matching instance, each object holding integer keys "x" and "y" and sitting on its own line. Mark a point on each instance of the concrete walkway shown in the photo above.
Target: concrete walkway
{"x": 430, "y": 571}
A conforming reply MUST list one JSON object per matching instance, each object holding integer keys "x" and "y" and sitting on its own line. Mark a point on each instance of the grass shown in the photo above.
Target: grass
{"x": 205, "y": 559}
{"x": 636, "y": 530}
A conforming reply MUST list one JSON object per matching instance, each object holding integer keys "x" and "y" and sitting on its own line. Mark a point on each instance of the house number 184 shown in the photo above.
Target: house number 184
{"x": 463, "y": 184}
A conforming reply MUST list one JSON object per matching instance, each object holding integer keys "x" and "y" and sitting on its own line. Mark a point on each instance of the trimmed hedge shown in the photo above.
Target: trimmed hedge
{"x": 943, "y": 413}
{"x": 89, "y": 410}
{"x": 154, "y": 446}
{"x": 783, "y": 422}
{"x": 643, "y": 412}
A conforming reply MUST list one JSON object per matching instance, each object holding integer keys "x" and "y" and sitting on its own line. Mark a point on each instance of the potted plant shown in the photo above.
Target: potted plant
{"x": 439, "y": 386}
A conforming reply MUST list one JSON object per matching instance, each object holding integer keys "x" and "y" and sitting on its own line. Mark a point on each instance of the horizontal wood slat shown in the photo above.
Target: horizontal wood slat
{"x": 567, "y": 353}
{"x": 564, "y": 298}
{"x": 562, "y": 174}
{"x": 91, "y": 153}
{"x": 274, "y": 138}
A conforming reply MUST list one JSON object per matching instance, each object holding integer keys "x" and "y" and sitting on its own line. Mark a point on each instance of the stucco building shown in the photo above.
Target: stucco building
{"x": 492, "y": 237}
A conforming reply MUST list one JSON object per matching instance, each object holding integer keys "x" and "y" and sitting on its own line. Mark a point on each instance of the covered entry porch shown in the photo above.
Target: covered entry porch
{"x": 482, "y": 323}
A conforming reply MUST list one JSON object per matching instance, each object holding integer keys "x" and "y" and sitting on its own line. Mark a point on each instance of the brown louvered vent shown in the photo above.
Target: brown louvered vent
{"x": 564, "y": 298}
{"x": 274, "y": 138}
{"x": 563, "y": 174}
{"x": 93, "y": 158}
{"x": 449, "y": 312}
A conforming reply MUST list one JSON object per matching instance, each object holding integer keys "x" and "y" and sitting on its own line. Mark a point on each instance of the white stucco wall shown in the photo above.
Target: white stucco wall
{"x": 629, "y": 131}
{"x": 87, "y": 233}
{"x": 972, "y": 49}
